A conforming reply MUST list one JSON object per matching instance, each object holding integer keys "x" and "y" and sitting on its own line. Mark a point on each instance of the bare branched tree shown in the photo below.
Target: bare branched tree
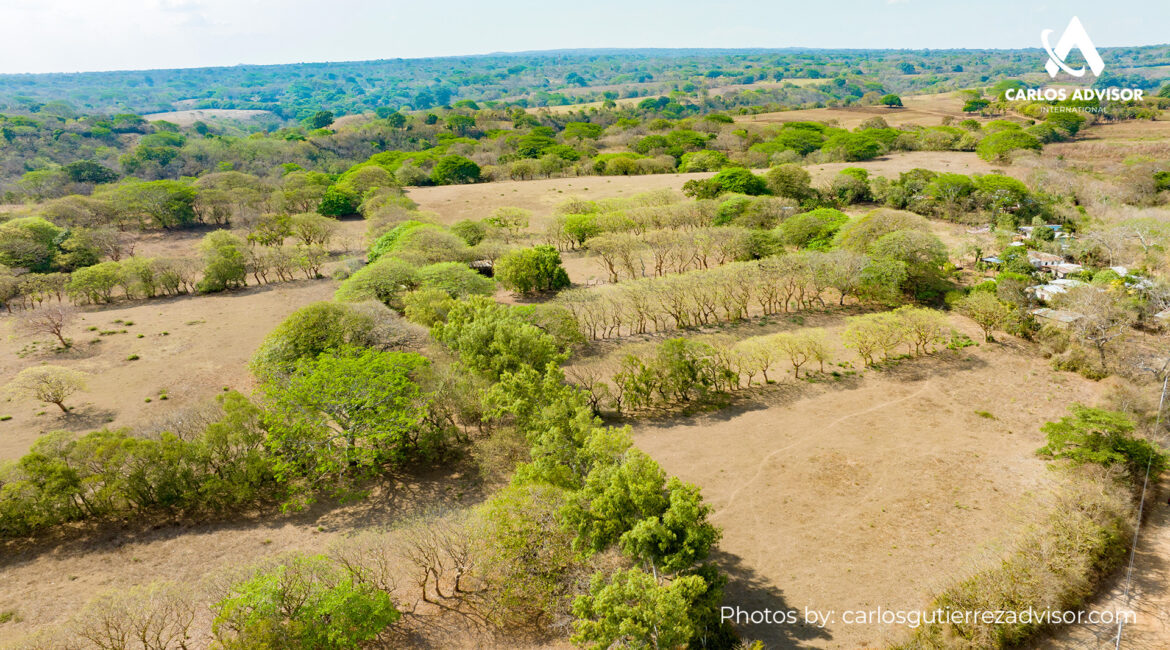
{"x": 52, "y": 319}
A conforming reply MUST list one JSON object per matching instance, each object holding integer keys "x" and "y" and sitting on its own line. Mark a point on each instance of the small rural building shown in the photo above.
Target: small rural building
{"x": 1043, "y": 260}
{"x": 1058, "y": 317}
{"x": 1046, "y": 292}
{"x": 1065, "y": 269}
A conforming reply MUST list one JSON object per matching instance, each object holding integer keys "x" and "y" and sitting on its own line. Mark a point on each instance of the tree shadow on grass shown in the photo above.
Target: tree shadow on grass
{"x": 749, "y": 591}
{"x": 391, "y": 500}
{"x": 84, "y": 418}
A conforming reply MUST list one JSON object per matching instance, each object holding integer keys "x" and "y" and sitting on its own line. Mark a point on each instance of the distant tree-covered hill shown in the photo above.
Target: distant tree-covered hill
{"x": 296, "y": 91}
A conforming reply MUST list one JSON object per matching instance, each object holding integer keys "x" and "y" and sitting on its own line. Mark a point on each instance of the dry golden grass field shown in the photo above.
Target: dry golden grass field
{"x": 456, "y": 202}
{"x": 191, "y": 347}
{"x": 872, "y": 489}
{"x": 189, "y": 117}
{"x": 1115, "y": 143}
{"x": 869, "y": 492}
{"x": 920, "y": 110}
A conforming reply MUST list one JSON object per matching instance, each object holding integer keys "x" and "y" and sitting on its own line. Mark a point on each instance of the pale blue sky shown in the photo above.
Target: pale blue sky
{"x": 74, "y": 35}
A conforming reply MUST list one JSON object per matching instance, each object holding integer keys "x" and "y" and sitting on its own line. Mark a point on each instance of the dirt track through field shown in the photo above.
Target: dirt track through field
{"x": 731, "y": 501}
{"x": 1149, "y": 596}
{"x": 871, "y": 491}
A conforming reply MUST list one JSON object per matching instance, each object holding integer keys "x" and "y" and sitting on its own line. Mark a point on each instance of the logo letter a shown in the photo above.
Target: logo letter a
{"x": 1074, "y": 36}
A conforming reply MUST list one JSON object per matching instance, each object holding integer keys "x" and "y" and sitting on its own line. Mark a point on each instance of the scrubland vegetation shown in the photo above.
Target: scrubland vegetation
{"x": 474, "y": 346}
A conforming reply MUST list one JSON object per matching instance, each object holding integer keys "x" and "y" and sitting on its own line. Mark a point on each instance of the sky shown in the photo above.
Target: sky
{"x": 86, "y": 35}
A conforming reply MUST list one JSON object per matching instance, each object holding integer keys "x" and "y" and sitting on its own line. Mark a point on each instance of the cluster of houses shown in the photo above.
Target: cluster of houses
{"x": 1060, "y": 276}
{"x": 1056, "y": 270}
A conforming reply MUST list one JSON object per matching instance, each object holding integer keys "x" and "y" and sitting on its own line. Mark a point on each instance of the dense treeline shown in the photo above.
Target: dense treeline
{"x": 55, "y": 152}
{"x": 548, "y": 78}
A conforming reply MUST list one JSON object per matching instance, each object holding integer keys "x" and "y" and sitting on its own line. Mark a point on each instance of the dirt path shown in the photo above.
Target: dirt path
{"x": 868, "y": 492}
{"x": 1149, "y": 593}
{"x": 731, "y": 501}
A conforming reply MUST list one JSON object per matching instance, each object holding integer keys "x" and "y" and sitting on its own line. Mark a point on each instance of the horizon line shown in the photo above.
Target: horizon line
{"x": 568, "y": 50}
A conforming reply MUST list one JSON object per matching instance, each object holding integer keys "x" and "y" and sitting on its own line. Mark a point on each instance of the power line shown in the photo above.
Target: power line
{"x": 1141, "y": 511}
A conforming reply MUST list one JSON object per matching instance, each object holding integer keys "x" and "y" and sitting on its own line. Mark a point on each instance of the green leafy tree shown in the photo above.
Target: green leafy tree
{"x": 314, "y": 329}
{"x": 224, "y": 263}
{"x": 631, "y": 610}
{"x": 396, "y": 120}
{"x": 319, "y": 120}
{"x": 529, "y": 270}
{"x": 389, "y": 241}
{"x": 814, "y": 229}
{"x": 385, "y": 280}
{"x": 89, "y": 171}
{"x": 579, "y": 228}
{"x": 923, "y": 254}
{"x": 529, "y": 561}
{"x": 614, "y": 499}
{"x": 892, "y": 101}
{"x": 740, "y": 181}
{"x": 165, "y": 203}
{"x": 998, "y": 147}
{"x": 1092, "y": 435}
{"x": 510, "y": 221}
{"x": 790, "y": 180}
{"x": 493, "y": 339}
{"x": 28, "y": 242}
{"x": 582, "y": 131}
{"x": 853, "y": 147}
{"x": 678, "y": 538}
{"x": 703, "y": 161}
{"x": 455, "y": 170}
{"x": 455, "y": 279}
{"x": 427, "y": 307}
{"x": 461, "y": 124}
{"x": 49, "y": 384}
{"x": 95, "y": 283}
{"x": 975, "y": 105}
{"x": 339, "y": 202}
{"x": 302, "y": 603}
{"x": 472, "y": 232}
{"x": 343, "y": 414}
{"x": 988, "y": 311}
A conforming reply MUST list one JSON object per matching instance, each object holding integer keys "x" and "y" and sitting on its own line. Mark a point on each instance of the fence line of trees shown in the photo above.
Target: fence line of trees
{"x": 679, "y": 370}
{"x": 735, "y": 291}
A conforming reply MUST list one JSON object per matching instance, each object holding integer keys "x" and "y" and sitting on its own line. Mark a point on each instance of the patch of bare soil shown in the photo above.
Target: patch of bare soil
{"x": 872, "y": 491}
{"x": 955, "y": 162}
{"x": 917, "y": 110}
{"x": 189, "y": 348}
{"x": 189, "y": 117}
{"x": 457, "y": 202}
